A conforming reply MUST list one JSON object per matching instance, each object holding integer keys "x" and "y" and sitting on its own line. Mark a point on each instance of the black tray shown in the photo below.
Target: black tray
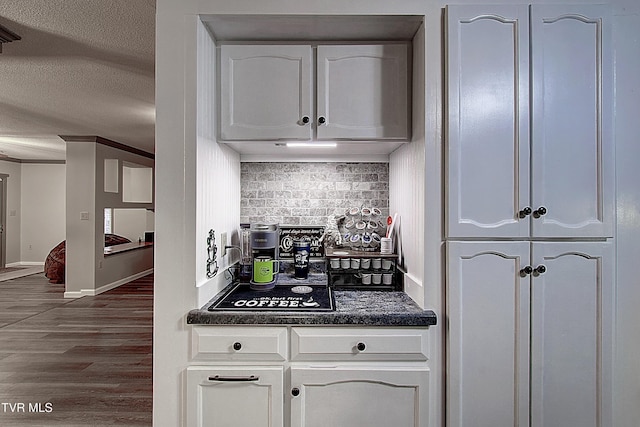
{"x": 301, "y": 297}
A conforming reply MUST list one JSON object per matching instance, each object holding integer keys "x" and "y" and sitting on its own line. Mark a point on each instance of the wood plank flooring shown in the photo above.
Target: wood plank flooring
{"x": 75, "y": 363}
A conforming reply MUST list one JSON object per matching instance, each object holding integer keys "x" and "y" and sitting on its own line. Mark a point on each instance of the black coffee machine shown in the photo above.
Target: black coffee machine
{"x": 263, "y": 242}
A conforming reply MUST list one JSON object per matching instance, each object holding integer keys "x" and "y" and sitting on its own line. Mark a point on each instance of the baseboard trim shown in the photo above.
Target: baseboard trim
{"x": 25, "y": 264}
{"x": 107, "y": 287}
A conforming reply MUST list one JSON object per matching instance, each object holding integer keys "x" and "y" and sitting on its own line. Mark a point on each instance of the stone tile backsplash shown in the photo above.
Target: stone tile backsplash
{"x": 307, "y": 193}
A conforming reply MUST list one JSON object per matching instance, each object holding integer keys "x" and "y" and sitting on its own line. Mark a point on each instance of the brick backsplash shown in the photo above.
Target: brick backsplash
{"x": 307, "y": 193}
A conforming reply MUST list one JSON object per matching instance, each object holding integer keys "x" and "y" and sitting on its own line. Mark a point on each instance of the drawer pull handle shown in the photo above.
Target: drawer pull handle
{"x": 234, "y": 379}
{"x": 237, "y": 346}
{"x": 361, "y": 346}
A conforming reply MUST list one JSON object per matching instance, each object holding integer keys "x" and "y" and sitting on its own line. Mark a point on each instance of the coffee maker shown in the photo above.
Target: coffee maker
{"x": 263, "y": 242}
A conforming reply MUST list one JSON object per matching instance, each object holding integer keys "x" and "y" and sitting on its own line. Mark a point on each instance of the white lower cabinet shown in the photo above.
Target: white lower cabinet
{"x": 530, "y": 334}
{"x": 345, "y": 396}
{"x": 235, "y": 396}
{"x": 329, "y": 376}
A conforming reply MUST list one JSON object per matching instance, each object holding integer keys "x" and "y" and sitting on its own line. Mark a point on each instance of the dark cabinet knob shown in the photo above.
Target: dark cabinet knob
{"x": 526, "y": 271}
{"x": 539, "y": 212}
{"x": 361, "y": 346}
{"x": 524, "y": 212}
{"x": 305, "y": 119}
{"x": 237, "y": 346}
{"x": 540, "y": 269}
{"x": 322, "y": 120}
{"x": 295, "y": 391}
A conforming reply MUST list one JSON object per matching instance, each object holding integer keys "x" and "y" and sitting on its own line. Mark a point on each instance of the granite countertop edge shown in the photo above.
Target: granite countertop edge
{"x": 353, "y": 308}
{"x": 198, "y": 317}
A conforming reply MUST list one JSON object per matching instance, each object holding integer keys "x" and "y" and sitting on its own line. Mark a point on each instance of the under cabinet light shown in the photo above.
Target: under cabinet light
{"x": 312, "y": 144}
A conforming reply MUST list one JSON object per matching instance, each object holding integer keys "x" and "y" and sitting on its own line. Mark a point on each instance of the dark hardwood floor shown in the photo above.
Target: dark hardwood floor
{"x": 75, "y": 363}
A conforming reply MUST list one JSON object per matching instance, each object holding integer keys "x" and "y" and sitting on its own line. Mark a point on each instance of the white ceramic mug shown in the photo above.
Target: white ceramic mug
{"x": 375, "y": 240}
{"x": 366, "y": 279}
{"x": 345, "y": 263}
{"x": 376, "y": 263}
{"x": 376, "y": 278}
{"x": 335, "y": 263}
{"x": 387, "y": 278}
{"x": 386, "y": 264}
{"x": 355, "y": 263}
{"x": 365, "y": 263}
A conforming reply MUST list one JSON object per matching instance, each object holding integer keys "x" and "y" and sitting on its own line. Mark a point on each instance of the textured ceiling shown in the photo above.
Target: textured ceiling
{"x": 82, "y": 67}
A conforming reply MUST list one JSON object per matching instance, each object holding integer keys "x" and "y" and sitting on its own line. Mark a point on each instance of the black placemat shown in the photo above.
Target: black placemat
{"x": 281, "y": 298}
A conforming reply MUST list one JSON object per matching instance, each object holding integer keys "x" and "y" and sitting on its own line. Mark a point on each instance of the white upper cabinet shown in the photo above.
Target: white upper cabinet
{"x": 571, "y": 134}
{"x": 362, "y": 92}
{"x": 268, "y": 92}
{"x": 507, "y": 179}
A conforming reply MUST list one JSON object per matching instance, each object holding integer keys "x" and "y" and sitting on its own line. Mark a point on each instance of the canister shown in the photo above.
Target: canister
{"x": 301, "y": 251}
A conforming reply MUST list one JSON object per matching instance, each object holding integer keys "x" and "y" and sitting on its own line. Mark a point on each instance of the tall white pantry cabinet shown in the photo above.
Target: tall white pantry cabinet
{"x": 529, "y": 216}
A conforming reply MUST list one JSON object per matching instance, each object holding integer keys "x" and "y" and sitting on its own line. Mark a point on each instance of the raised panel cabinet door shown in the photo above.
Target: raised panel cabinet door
{"x": 343, "y": 396}
{"x": 362, "y": 92}
{"x": 488, "y": 323}
{"x": 238, "y": 396}
{"x": 487, "y": 121}
{"x": 572, "y": 334}
{"x": 571, "y": 135}
{"x": 266, "y": 92}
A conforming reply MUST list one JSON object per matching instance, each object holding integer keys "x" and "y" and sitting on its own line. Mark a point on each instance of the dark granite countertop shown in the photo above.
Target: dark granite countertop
{"x": 357, "y": 308}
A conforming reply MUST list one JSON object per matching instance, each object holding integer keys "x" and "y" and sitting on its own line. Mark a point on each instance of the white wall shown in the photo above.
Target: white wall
{"x": 218, "y": 174}
{"x": 407, "y": 184}
{"x": 43, "y": 222}
{"x": 14, "y": 209}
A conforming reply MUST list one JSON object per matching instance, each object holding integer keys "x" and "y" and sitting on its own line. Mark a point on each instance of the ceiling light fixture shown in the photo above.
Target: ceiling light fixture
{"x": 7, "y": 36}
{"x": 312, "y": 144}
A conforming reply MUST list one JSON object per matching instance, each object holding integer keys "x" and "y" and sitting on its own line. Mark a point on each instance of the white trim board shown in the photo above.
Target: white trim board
{"x": 107, "y": 287}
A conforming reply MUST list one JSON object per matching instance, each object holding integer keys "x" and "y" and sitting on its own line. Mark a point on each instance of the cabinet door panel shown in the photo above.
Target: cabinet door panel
{"x": 360, "y": 396}
{"x": 362, "y": 91}
{"x": 571, "y": 335}
{"x": 256, "y": 403}
{"x": 488, "y": 121}
{"x": 488, "y": 306}
{"x": 265, "y": 92}
{"x": 572, "y": 149}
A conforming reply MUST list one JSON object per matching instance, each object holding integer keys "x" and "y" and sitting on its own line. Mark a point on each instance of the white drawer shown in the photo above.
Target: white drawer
{"x": 351, "y": 344}
{"x": 239, "y": 343}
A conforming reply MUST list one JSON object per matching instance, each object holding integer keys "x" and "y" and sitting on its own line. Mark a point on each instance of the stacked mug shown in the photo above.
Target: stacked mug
{"x": 362, "y": 228}
{"x": 370, "y": 271}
